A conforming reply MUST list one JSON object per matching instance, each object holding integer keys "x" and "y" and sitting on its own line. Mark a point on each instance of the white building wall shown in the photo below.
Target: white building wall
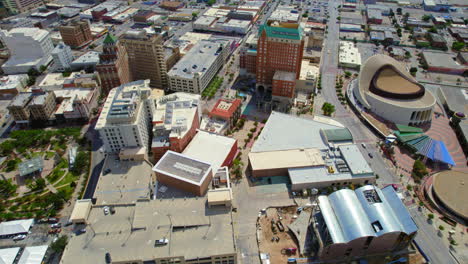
{"x": 35, "y": 46}
{"x": 62, "y": 57}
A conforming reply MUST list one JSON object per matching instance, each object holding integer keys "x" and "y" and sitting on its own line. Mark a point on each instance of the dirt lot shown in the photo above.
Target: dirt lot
{"x": 286, "y": 238}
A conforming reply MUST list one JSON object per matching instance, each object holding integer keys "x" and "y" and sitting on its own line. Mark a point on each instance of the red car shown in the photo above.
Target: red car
{"x": 55, "y": 231}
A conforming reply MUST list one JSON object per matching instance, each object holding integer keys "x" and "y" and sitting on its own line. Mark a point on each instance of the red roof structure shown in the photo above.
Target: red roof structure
{"x": 225, "y": 108}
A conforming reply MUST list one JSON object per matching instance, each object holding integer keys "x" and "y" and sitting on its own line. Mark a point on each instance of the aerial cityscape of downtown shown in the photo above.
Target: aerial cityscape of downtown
{"x": 233, "y": 131}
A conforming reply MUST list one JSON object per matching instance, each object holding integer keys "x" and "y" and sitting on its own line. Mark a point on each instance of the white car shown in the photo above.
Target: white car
{"x": 19, "y": 237}
{"x": 106, "y": 210}
{"x": 161, "y": 242}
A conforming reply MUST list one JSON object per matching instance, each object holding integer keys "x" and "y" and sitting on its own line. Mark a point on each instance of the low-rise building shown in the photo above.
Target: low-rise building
{"x": 125, "y": 117}
{"x": 87, "y": 61}
{"x": 436, "y": 5}
{"x": 369, "y": 220}
{"x": 312, "y": 153}
{"x": 172, "y": 5}
{"x": 438, "y": 61}
{"x": 437, "y": 40}
{"x": 184, "y": 172}
{"x": 16, "y": 227}
{"x": 175, "y": 120}
{"x": 11, "y": 85}
{"x": 199, "y": 66}
{"x": 29, "y": 48}
{"x": 227, "y": 110}
{"x": 75, "y": 104}
{"x": 349, "y": 56}
{"x": 31, "y": 168}
{"x": 183, "y": 230}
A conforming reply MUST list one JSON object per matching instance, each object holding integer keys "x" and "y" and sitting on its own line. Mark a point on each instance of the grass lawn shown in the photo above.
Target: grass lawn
{"x": 49, "y": 154}
{"x": 56, "y": 174}
{"x": 69, "y": 177}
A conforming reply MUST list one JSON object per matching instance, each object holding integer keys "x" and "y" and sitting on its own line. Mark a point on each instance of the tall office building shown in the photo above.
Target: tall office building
{"x": 279, "y": 55}
{"x": 113, "y": 65}
{"x": 76, "y": 34}
{"x": 148, "y": 58}
{"x": 125, "y": 118}
{"x": 62, "y": 56}
{"x": 19, "y": 6}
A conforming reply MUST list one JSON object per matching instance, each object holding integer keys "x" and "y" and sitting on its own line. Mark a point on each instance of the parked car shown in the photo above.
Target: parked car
{"x": 55, "y": 231}
{"x": 52, "y": 220}
{"x": 106, "y": 210}
{"x": 108, "y": 258}
{"x": 57, "y": 225}
{"x": 19, "y": 237}
{"x": 81, "y": 231}
{"x": 69, "y": 223}
{"x": 107, "y": 171}
{"x": 371, "y": 156}
{"x": 161, "y": 242}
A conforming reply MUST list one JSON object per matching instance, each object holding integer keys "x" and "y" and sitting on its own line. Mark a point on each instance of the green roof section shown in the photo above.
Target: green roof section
{"x": 339, "y": 134}
{"x": 110, "y": 39}
{"x": 403, "y": 129}
{"x": 281, "y": 32}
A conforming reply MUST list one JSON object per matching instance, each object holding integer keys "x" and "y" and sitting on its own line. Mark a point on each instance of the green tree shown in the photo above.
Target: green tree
{"x": 33, "y": 72}
{"x": 458, "y": 45}
{"x": 398, "y": 10}
{"x": 7, "y": 188}
{"x": 419, "y": 169}
{"x": 328, "y": 109}
{"x": 347, "y": 74}
{"x": 433, "y": 30}
{"x": 305, "y": 15}
{"x": 211, "y": 2}
{"x": 59, "y": 245}
{"x": 194, "y": 15}
{"x": 36, "y": 185}
{"x": 426, "y": 18}
{"x": 42, "y": 68}
{"x": 81, "y": 163}
{"x": 413, "y": 71}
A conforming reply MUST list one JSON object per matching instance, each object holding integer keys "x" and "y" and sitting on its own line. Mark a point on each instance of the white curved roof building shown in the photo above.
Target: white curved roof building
{"x": 365, "y": 221}
{"x": 387, "y": 89}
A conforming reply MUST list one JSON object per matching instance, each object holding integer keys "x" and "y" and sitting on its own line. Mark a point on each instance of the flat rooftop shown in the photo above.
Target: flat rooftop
{"x": 355, "y": 160}
{"x": 127, "y": 182}
{"x": 183, "y": 167}
{"x": 287, "y": 132}
{"x": 193, "y": 230}
{"x": 210, "y": 148}
{"x": 284, "y": 76}
{"x": 198, "y": 59}
{"x": 285, "y": 159}
{"x": 441, "y": 59}
{"x": 451, "y": 188}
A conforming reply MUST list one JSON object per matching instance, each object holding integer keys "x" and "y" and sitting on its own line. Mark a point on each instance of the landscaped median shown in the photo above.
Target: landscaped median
{"x": 212, "y": 88}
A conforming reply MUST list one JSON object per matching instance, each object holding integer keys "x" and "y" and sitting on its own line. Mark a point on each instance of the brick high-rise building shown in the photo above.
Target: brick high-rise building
{"x": 279, "y": 55}
{"x": 76, "y": 34}
{"x": 148, "y": 58}
{"x": 113, "y": 65}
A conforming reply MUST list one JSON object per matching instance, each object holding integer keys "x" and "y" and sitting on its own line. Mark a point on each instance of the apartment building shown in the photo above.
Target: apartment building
{"x": 148, "y": 57}
{"x": 11, "y": 85}
{"x": 196, "y": 69}
{"x": 125, "y": 118}
{"x": 280, "y": 48}
{"x": 29, "y": 48}
{"x": 113, "y": 65}
{"x": 42, "y": 106}
{"x": 77, "y": 33}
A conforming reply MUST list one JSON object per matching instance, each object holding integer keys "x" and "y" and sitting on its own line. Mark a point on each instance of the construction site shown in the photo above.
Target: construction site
{"x": 276, "y": 239}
